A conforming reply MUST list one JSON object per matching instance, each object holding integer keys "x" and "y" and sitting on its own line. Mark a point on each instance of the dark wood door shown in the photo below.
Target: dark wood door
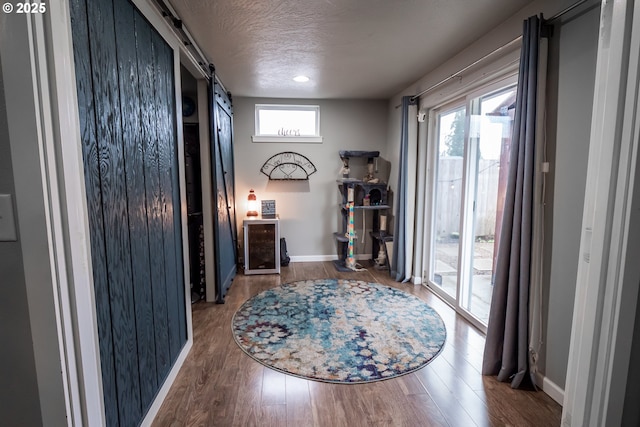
{"x": 225, "y": 227}
{"x": 125, "y": 83}
{"x": 193, "y": 184}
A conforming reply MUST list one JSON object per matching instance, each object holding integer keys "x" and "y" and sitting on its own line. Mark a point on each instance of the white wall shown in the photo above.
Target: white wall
{"x": 19, "y": 401}
{"x": 308, "y": 210}
{"x": 579, "y": 48}
{"x": 31, "y": 351}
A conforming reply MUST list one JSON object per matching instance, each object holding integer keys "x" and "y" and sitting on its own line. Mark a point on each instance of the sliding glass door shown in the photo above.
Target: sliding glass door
{"x": 471, "y": 161}
{"x": 450, "y": 168}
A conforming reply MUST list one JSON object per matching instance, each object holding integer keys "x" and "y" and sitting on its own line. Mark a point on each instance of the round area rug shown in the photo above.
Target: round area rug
{"x": 341, "y": 331}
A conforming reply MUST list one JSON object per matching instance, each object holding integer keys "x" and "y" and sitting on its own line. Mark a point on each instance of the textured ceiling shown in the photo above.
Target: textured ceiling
{"x": 349, "y": 48}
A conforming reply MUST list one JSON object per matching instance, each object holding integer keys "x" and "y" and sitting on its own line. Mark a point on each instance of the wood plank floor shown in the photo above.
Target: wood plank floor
{"x": 221, "y": 386}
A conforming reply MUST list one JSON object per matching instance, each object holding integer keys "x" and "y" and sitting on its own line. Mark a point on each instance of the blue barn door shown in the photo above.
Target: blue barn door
{"x": 226, "y": 247}
{"x": 126, "y": 97}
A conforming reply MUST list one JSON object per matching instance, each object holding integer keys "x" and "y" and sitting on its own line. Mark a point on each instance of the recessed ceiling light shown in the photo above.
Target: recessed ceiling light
{"x": 301, "y": 79}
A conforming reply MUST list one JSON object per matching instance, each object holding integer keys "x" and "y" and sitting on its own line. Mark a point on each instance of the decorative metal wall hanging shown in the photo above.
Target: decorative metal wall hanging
{"x": 288, "y": 166}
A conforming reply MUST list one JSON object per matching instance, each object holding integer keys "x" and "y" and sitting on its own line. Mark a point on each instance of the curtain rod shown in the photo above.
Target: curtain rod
{"x": 474, "y": 63}
{"x": 567, "y": 10}
{"x": 493, "y": 52}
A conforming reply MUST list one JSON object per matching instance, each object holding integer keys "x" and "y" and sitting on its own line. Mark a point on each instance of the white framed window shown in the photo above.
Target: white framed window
{"x": 287, "y": 123}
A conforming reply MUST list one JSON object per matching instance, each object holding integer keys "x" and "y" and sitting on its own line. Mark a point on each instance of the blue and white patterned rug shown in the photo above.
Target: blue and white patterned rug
{"x": 340, "y": 331}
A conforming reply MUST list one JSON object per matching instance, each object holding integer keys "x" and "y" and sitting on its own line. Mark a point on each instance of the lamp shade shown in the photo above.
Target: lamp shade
{"x": 252, "y": 204}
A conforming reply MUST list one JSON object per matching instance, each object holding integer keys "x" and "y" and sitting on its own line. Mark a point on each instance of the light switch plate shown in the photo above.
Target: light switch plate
{"x": 7, "y": 222}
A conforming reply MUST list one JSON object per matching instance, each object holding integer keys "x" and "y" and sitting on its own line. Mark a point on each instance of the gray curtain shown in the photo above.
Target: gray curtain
{"x": 506, "y": 348}
{"x": 398, "y": 261}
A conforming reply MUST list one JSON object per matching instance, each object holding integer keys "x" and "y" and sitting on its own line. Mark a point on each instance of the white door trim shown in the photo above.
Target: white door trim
{"x": 71, "y": 218}
{"x": 33, "y": 154}
{"x": 607, "y": 279}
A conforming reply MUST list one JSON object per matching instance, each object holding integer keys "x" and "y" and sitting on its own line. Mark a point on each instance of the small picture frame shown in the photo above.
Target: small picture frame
{"x": 268, "y": 209}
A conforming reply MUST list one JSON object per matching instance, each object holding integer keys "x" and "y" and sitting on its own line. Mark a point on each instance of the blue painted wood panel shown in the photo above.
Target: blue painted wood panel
{"x": 126, "y": 94}
{"x": 166, "y": 146}
{"x": 148, "y": 71}
{"x": 86, "y": 107}
{"x": 131, "y": 107}
{"x": 109, "y": 131}
{"x": 223, "y": 184}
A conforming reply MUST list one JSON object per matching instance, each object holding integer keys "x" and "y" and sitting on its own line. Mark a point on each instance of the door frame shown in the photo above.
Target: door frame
{"x": 33, "y": 156}
{"x": 608, "y": 272}
{"x": 51, "y": 48}
{"x": 466, "y": 224}
{"x": 453, "y": 301}
{"x": 460, "y": 102}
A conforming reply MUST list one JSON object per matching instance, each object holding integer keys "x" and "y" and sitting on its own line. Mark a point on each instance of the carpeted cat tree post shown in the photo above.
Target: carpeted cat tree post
{"x": 350, "y": 261}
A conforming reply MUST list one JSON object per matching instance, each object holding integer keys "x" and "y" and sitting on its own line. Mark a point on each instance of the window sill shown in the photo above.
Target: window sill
{"x": 307, "y": 139}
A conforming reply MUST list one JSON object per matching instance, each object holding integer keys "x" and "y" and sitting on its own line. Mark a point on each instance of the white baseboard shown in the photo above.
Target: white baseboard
{"x": 168, "y": 382}
{"x": 550, "y": 388}
{"x": 416, "y": 280}
{"x": 312, "y": 258}
{"x": 315, "y": 258}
